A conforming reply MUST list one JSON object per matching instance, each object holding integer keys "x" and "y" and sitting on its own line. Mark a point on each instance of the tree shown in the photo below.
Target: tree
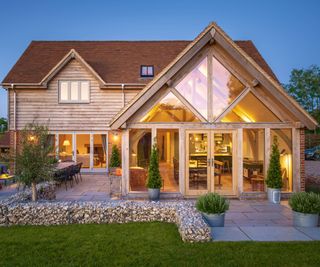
{"x": 304, "y": 86}
{"x": 3, "y": 125}
{"x": 274, "y": 179}
{"x": 154, "y": 178}
{"x": 115, "y": 157}
{"x": 33, "y": 160}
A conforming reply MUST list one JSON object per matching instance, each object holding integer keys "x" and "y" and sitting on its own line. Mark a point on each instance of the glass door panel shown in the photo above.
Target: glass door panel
{"x": 83, "y": 150}
{"x": 65, "y": 147}
{"x": 223, "y": 163}
{"x": 197, "y": 162}
{"x": 99, "y": 151}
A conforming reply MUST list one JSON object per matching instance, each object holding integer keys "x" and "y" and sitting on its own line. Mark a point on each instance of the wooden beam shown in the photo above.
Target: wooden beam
{"x": 154, "y": 87}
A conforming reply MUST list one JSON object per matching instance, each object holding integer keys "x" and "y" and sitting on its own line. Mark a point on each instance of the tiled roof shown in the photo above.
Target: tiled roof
{"x": 114, "y": 61}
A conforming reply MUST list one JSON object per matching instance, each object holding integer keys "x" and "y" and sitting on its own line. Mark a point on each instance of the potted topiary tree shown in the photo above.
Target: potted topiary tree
{"x": 213, "y": 208}
{"x": 306, "y": 209}
{"x": 154, "y": 181}
{"x": 115, "y": 162}
{"x": 274, "y": 179}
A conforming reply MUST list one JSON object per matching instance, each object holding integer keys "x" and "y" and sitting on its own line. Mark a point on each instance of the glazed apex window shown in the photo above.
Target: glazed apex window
{"x": 170, "y": 109}
{"x": 225, "y": 88}
{"x": 74, "y": 91}
{"x": 146, "y": 71}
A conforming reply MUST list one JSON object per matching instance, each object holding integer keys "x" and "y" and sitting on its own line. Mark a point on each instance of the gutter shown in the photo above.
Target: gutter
{"x": 123, "y": 95}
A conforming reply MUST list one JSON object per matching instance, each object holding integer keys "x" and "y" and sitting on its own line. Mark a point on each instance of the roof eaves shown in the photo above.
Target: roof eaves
{"x": 162, "y": 73}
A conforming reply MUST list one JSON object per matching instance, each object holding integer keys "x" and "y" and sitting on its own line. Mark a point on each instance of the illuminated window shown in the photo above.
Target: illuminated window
{"x": 170, "y": 109}
{"x": 225, "y": 88}
{"x": 284, "y": 138}
{"x": 194, "y": 88}
{"x": 250, "y": 109}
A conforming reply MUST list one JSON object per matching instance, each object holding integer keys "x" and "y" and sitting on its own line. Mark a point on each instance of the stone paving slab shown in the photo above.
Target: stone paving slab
{"x": 312, "y": 232}
{"x": 228, "y": 234}
{"x": 274, "y": 233}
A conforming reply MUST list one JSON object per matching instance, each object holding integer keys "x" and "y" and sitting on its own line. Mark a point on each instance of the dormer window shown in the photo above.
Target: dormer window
{"x": 146, "y": 71}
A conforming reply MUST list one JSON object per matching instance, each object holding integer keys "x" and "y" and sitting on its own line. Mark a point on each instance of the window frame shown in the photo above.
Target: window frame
{"x": 79, "y": 100}
{"x": 147, "y": 75}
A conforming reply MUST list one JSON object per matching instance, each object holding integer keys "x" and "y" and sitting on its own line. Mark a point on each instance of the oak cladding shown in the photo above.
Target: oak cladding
{"x": 42, "y": 105}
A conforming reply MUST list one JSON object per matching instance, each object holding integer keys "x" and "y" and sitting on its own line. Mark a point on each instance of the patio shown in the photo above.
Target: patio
{"x": 93, "y": 187}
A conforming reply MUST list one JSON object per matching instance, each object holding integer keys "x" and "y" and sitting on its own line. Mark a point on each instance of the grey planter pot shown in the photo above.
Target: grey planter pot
{"x": 214, "y": 220}
{"x": 305, "y": 220}
{"x": 154, "y": 194}
{"x": 274, "y": 195}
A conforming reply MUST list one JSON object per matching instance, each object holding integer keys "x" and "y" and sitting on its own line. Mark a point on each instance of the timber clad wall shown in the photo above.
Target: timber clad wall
{"x": 302, "y": 168}
{"x": 42, "y": 104}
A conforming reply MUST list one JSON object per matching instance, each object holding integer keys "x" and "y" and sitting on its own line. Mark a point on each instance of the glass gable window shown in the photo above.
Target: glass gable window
{"x": 194, "y": 88}
{"x": 170, "y": 109}
{"x": 225, "y": 88}
{"x": 250, "y": 109}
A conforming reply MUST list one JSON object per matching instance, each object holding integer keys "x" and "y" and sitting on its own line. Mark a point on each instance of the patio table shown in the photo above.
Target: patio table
{"x": 6, "y": 179}
{"x": 64, "y": 165}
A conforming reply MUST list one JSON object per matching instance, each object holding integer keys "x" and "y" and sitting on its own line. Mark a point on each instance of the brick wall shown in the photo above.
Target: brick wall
{"x": 302, "y": 167}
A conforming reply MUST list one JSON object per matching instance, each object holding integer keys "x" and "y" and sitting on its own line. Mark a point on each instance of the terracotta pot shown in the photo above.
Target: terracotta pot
{"x": 118, "y": 172}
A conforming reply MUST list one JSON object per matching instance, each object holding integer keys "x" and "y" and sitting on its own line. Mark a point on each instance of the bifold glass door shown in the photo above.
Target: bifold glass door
{"x": 88, "y": 148}
{"x": 210, "y": 162}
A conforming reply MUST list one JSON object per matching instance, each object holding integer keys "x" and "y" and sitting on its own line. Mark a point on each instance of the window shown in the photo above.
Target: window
{"x": 74, "y": 91}
{"x": 146, "y": 71}
{"x": 170, "y": 109}
{"x": 194, "y": 88}
{"x": 253, "y": 160}
{"x": 250, "y": 109}
{"x": 284, "y": 139}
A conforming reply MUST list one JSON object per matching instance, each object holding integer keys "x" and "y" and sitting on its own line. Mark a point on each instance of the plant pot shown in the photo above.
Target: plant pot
{"x": 274, "y": 195}
{"x": 214, "y": 220}
{"x": 305, "y": 220}
{"x": 118, "y": 171}
{"x": 154, "y": 194}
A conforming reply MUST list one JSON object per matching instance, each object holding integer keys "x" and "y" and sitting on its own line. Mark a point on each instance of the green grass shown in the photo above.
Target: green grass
{"x": 140, "y": 244}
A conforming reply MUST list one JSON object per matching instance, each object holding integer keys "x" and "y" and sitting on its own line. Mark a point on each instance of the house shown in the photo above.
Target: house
{"x": 212, "y": 105}
{"x": 4, "y": 142}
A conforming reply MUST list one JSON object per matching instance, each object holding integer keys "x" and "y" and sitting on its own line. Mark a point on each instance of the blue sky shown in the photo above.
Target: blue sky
{"x": 287, "y": 33}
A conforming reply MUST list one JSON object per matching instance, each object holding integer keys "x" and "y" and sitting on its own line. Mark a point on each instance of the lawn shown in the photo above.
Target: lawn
{"x": 140, "y": 244}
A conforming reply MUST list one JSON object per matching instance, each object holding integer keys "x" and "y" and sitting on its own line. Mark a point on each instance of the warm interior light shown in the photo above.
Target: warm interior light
{"x": 115, "y": 137}
{"x": 243, "y": 115}
{"x": 66, "y": 143}
{"x": 31, "y": 138}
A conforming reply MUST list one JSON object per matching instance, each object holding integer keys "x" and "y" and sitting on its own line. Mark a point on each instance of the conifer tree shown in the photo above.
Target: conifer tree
{"x": 115, "y": 157}
{"x": 154, "y": 177}
{"x": 274, "y": 179}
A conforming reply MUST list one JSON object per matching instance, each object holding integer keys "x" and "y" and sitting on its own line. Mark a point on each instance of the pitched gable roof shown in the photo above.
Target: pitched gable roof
{"x": 113, "y": 61}
{"x": 213, "y": 33}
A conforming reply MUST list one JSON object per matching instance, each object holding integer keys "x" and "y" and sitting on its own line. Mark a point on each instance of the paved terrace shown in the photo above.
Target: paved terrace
{"x": 246, "y": 219}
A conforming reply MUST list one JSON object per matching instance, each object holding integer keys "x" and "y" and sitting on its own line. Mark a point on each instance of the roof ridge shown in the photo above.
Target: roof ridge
{"x": 111, "y": 41}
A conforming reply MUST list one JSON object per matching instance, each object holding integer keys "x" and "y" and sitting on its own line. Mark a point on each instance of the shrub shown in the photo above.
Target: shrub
{"x": 305, "y": 202}
{"x": 154, "y": 177}
{"x": 212, "y": 203}
{"x": 115, "y": 161}
{"x": 33, "y": 161}
{"x": 274, "y": 179}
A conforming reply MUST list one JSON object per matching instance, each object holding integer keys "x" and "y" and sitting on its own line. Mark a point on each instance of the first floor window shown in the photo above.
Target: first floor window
{"x": 74, "y": 91}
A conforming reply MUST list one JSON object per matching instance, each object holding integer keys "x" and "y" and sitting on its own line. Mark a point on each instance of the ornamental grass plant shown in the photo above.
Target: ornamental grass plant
{"x": 212, "y": 203}
{"x": 304, "y": 202}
